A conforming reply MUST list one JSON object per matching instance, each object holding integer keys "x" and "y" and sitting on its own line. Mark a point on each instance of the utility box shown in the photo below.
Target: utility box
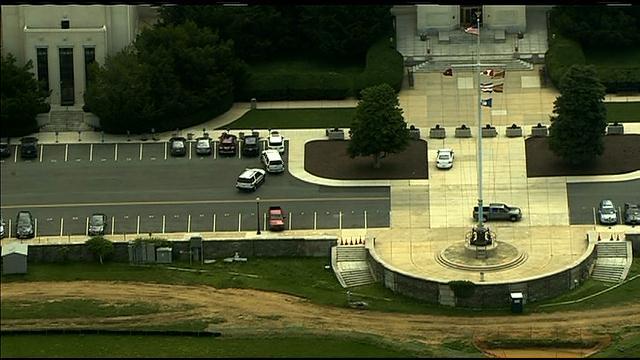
{"x": 517, "y": 302}
{"x": 163, "y": 255}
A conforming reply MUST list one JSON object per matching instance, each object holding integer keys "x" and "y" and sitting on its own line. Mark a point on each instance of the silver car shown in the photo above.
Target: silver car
{"x": 203, "y": 146}
{"x": 607, "y": 213}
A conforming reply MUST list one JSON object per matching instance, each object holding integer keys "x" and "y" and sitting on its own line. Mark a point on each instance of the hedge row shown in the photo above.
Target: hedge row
{"x": 622, "y": 79}
{"x": 564, "y": 52}
{"x": 383, "y": 65}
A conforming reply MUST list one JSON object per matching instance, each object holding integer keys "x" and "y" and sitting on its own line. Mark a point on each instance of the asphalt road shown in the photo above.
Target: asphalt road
{"x": 585, "y": 197}
{"x": 141, "y": 191}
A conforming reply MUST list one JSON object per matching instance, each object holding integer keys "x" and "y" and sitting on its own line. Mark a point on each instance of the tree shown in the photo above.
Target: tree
{"x": 580, "y": 117}
{"x": 100, "y": 247}
{"x": 21, "y": 98}
{"x": 378, "y": 127}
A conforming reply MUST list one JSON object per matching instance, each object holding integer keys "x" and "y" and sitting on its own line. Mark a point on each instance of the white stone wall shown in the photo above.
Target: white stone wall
{"x": 107, "y": 28}
{"x": 434, "y": 18}
{"x": 511, "y": 18}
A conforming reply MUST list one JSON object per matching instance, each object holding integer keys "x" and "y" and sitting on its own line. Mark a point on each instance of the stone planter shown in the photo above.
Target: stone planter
{"x": 539, "y": 130}
{"x": 414, "y": 133}
{"x": 615, "y": 129}
{"x": 489, "y": 131}
{"x": 514, "y": 131}
{"x": 437, "y": 133}
{"x": 463, "y": 132}
{"x": 335, "y": 134}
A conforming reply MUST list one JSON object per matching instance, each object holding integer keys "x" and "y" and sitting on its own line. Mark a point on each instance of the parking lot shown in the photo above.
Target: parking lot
{"x": 142, "y": 188}
{"x": 585, "y": 197}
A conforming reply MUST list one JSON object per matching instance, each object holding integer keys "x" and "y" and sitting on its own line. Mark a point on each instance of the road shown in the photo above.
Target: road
{"x": 140, "y": 191}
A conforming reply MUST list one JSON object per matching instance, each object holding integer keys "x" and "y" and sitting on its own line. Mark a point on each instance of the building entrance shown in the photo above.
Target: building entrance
{"x": 67, "y": 97}
{"x": 468, "y": 15}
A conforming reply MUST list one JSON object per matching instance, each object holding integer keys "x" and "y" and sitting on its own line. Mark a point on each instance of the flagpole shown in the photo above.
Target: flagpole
{"x": 479, "y": 145}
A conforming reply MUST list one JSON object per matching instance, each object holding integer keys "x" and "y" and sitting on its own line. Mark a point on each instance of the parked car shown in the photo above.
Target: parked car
{"x": 607, "y": 212}
{"x": 276, "y": 141}
{"x": 498, "y": 211}
{"x": 272, "y": 161}
{"x": 251, "y": 145}
{"x": 444, "y": 159}
{"x": 28, "y": 148}
{"x": 250, "y": 179}
{"x": 97, "y": 224}
{"x": 2, "y": 226}
{"x": 631, "y": 214}
{"x": 276, "y": 218}
{"x": 5, "y": 150}
{"x": 25, "y": 225}
{"x": 228, "y": 144}
{"x": 178, "y": 146}
{"x": 203, "y": 146}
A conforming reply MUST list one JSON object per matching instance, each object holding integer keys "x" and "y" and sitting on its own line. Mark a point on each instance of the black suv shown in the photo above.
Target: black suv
{"x": 251, "y": 145}
{"x": 5, "y": 151}
{"x": 24, "y": 225}
{"x": 28, "y": 148}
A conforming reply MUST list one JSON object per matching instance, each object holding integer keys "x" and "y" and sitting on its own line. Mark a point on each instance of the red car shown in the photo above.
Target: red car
{"x": 276, "y": 218}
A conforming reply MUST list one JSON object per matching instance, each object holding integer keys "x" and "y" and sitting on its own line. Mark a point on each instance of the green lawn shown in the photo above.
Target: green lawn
{"x": 623, "y": 111}
{"x": 294, "y": 118}
{"x": 172, "y": 346}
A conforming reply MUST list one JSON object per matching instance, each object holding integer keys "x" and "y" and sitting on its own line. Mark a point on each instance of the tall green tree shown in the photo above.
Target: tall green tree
{"x": 100, "y": 247}
{"x": 21, "y": 98}
{"x": 580, "y": 117}
{"x": 120, "y": 94}
{"x": 378, "y": 126}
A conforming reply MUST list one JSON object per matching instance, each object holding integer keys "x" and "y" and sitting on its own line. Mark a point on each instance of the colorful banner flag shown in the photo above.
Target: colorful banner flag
{"x": 488, "y": 72}
{"x": 486, "y": 102}
{"x": 498, "y": 75}
{"x": 490, "y": 87}
{"x": 448, "y": 72}
{"x": 472, "y": 30}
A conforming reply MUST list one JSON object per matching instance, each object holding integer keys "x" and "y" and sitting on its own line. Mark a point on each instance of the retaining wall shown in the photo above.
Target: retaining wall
{"x": 486, "y": 295}
{"x": 318, "y": 246}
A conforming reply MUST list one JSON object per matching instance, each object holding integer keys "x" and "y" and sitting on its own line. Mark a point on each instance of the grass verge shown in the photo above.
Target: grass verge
{"x": 623, "y": 111}
{"x": 294, "y": 119}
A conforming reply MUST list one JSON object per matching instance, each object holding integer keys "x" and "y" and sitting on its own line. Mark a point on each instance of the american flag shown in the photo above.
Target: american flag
{"x": 472, "y": 30}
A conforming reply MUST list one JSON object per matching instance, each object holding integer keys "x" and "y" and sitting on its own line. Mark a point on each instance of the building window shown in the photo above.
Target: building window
{"x": 64, "y": 24}
{"x": 42, "y": 59}
{"x": 67, "y": 96}
{"x": 89, "y": 58}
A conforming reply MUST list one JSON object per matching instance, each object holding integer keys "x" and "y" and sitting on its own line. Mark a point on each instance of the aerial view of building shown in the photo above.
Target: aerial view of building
{"x": 413, "y": 180}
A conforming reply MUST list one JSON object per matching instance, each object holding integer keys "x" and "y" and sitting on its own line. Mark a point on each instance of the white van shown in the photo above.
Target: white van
{"x": 272, "y": 161}
{"x": 275, "y": 141}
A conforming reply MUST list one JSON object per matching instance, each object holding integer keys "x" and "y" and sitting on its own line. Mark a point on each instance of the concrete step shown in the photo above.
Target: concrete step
{"x": 438, "y": 63}
{"x": 357, "y": 277}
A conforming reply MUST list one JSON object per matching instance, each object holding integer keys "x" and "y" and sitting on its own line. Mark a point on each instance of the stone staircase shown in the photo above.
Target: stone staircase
{"x": 613, "y": 261}
{"x": 65, "y": 120}
{"x": 440, "y": 63}
{"x": 349, "y": 262}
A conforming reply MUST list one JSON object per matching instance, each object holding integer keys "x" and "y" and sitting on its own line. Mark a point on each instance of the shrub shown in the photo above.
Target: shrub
{"x": 463, "y": 289}
{"x": 620, "y": 79}
{"x": 384, "y": 65}
{"x": 100, "y": 247}
{"x": 561, "y": 55}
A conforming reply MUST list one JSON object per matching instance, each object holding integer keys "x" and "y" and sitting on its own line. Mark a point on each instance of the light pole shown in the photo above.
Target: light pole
{"x": 258, "y": 214}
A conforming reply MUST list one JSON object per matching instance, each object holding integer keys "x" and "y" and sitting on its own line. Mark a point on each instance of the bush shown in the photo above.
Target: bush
{"x": 561, "y": 55}
{"x": 384, "y": 65}
{"x": 622, "y": 79}
{"x": 463, "y": 289}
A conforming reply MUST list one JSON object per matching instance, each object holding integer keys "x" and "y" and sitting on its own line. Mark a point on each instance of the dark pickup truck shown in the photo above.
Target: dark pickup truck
{"x": 498, "y": 211}
{"x": 228, "y": 144}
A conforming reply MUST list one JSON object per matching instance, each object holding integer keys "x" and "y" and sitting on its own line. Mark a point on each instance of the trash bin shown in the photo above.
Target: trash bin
{"x": 254, "y": 103}
{"x": 517, "y": 302}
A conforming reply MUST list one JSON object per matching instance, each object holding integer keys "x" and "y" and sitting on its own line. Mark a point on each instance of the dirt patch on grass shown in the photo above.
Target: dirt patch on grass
{"x": 621, "y": 155}
{"x": 329, "y": 159}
